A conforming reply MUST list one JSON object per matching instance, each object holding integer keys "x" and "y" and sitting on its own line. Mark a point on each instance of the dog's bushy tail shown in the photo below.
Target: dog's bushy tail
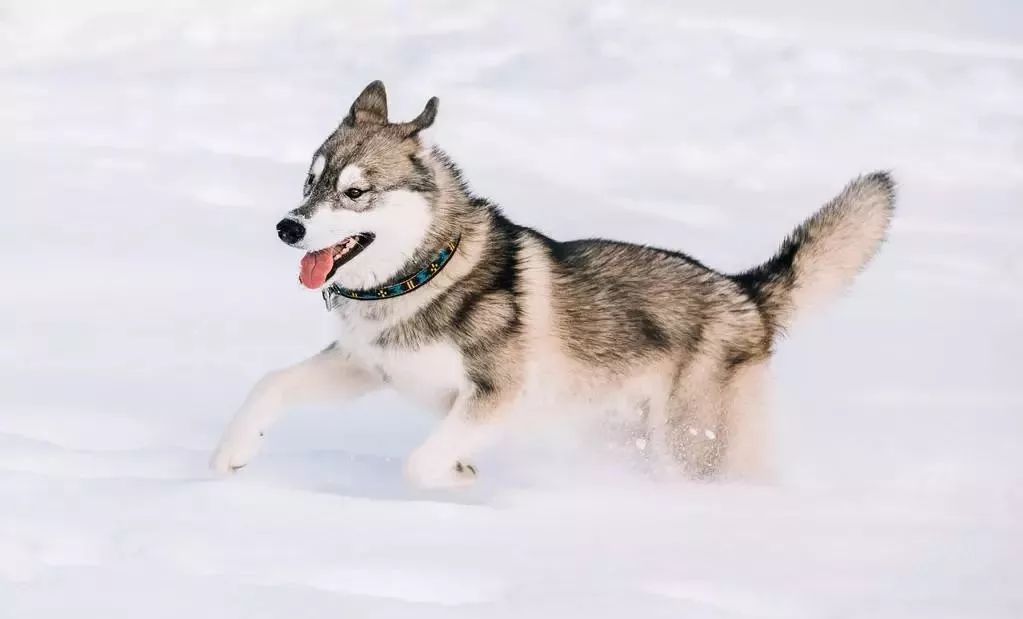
{"x": 823, "y": 255}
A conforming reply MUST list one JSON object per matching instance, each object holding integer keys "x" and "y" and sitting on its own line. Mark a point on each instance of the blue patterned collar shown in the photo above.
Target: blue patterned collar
{"x": 333, "y": 294}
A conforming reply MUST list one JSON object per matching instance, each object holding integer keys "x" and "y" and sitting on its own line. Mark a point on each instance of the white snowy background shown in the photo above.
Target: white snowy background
{"x": 147, "y": 151}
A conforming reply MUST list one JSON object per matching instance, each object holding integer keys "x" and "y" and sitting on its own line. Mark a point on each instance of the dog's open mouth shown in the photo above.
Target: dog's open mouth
{"x": 319, "y": 266}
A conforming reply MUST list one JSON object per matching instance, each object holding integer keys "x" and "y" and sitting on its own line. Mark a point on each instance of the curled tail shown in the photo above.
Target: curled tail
{"x": 820, "y": 258}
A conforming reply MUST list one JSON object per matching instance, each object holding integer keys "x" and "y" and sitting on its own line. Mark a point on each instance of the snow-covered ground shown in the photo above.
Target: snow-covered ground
{"x": 147, "y": 153}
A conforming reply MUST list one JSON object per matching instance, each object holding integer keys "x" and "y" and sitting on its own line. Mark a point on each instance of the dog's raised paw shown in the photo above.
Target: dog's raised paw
{"x": 233, "y": 454}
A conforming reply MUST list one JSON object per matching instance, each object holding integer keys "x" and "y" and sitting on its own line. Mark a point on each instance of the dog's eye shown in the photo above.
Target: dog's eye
{"x": 309, "y": 178}
{"x": 353, "y": 193}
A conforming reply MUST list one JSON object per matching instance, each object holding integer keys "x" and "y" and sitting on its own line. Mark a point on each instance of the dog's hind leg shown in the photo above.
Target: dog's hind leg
{"x": 747, "y": 422}
{"x": 694, "y": 432}
{"x": 327, "y": 375}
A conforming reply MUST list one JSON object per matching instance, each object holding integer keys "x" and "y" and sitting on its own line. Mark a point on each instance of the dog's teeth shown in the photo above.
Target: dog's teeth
{"x": 344, "y": 247}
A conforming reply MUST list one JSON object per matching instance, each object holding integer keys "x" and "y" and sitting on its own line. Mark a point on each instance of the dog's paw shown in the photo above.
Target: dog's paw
{"x": 234, "y": 452}
{"x": 428, "y": 475}
{"x": 466, "y": 470}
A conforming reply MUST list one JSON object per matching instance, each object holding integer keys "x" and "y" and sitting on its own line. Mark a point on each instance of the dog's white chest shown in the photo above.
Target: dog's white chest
{"x": 431, "y": 374}
{"x": 435, "y": 367}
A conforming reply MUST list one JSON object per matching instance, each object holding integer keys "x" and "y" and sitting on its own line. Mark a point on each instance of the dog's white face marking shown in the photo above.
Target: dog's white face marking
{"x": 351, "y": 176}
{"x": 399, "y": 219}
{"x": 318, "y": 166}
{"x": 315, "y": 171}
{"x": 324, "y": 227}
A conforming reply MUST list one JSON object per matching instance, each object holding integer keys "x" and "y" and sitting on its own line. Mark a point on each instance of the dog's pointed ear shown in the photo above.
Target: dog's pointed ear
{"x": 423, "y": 121}
{"x": 370, "y": 107}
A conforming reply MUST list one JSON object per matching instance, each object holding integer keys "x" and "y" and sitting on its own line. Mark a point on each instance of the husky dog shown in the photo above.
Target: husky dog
{"x": 439, "y": 296}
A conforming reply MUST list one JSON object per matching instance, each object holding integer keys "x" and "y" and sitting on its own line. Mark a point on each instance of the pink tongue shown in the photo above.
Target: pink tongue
{"x": 314, "y": 269}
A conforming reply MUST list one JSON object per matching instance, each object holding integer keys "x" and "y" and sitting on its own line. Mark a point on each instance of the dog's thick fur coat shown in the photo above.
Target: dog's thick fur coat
{"x": 517, "y": 321}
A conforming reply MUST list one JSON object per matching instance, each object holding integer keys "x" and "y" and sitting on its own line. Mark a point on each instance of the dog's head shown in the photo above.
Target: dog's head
{"x": 367, "y": 197}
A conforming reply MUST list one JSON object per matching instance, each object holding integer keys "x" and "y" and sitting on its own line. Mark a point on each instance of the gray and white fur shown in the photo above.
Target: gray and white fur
{"x": 518, "y": 323}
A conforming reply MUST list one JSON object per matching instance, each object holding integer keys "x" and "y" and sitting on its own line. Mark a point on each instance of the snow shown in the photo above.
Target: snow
{"x": 148, "y": 151}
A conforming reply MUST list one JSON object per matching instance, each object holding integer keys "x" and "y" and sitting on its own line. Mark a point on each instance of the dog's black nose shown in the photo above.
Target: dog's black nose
{"x": 290, "y": 231}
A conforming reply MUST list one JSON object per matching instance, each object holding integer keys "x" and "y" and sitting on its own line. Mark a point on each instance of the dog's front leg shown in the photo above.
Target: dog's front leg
{"x": 327, "y": 375}
{"x": 442, "y": 461}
